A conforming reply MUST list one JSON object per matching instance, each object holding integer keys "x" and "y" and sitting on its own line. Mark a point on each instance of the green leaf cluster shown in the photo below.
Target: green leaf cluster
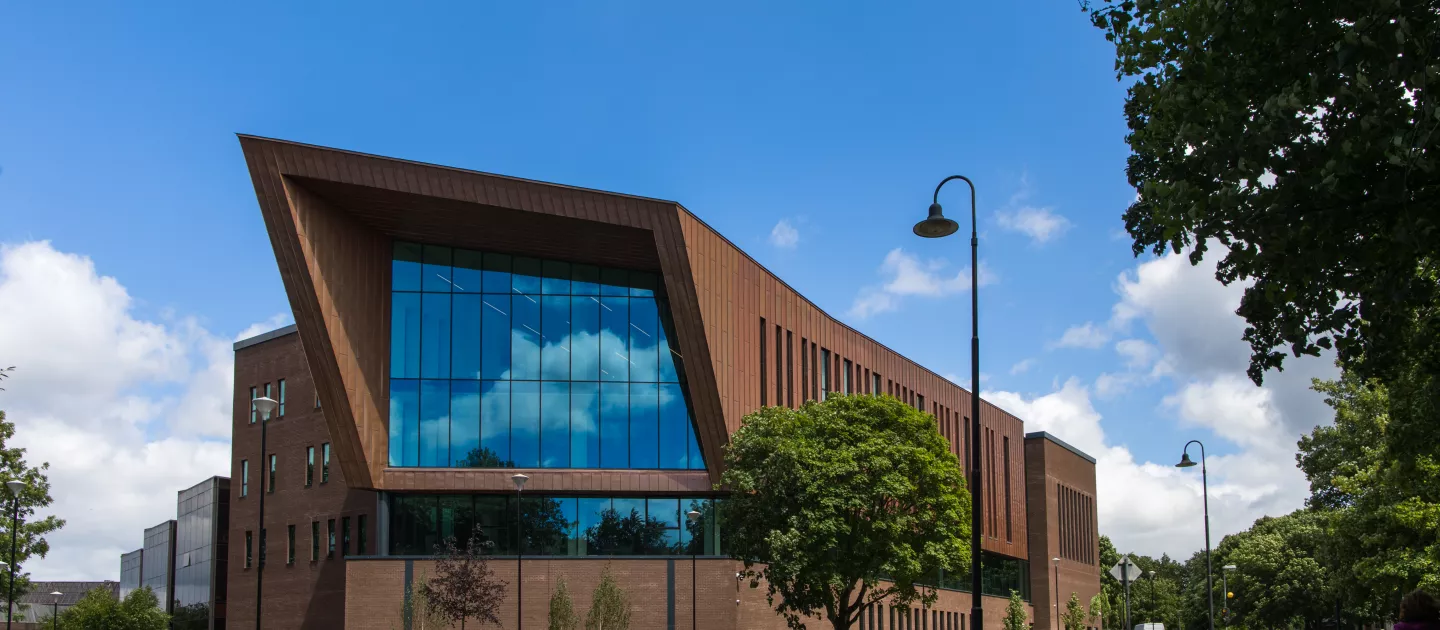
{"x": 610, "y": 607}
{"x": 99, "y": 609}
{"x": 1301, "y": 138}
{"x": 844, "y": 503}
{"x": 30, "y": 539}
{"x": 562, "y": 609}
{"x": 1015, "y": 616}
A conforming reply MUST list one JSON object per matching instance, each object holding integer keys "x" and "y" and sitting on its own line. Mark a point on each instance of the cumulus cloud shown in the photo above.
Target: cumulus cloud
{"x": 1041, "y": 223}
{"x": 1087, "y": 335}
{"x": 1194, "y": 346}
{"x": 127, "y": 410}
{"x": 1022, "y": 366}
{"x": 906, "y": 275}
{"x": 784, "y": 235}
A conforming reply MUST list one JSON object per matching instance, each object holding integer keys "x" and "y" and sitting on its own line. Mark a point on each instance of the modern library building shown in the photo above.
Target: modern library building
{"x": 454, "y": 329}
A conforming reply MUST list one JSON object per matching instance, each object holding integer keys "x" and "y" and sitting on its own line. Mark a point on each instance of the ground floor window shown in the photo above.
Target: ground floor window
{"x": 555, "y": 526}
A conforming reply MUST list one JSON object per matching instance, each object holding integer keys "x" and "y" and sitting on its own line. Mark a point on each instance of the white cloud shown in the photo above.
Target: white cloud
{"x": 1195, "y": 343}
{"x": 1087, "y": 335}
{"x": 907, "y": 275}
{"x": 127, "y": 411}
{"x": 1040, "y": 224}
{"x": 276, "y": 321}
{"x": 784, "y": 235}
{"x": 1022, "y": 366}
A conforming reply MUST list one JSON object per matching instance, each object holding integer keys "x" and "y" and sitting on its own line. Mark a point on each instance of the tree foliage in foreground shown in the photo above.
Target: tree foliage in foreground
{"x": 562, "y": 609}
{"x": 610, "y": 607}
{"x": 99, "y": 609}
{"x": 464, "y": 587}
{"x": 1301, "y": 137}
{"x": 32, "y": 531}
{"x": 1015, "y": 616}
{"x": 831, "y": 498}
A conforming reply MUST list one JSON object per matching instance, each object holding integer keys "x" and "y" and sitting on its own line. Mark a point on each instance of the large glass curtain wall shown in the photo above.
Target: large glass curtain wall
{"x": 554, "y": 526}
{"x": 503, "y": 361}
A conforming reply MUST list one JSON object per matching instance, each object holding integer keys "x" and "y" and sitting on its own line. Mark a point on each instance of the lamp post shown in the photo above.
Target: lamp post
{"x": 937, "y": 226}
{"x": 1153, "y": 605}
{"x": 16, "y": 487}
{"x": 1056, "y": 560}
{"x": 1225, "y": 586}
{"x": 519, "y": 481}
{"x": 694, "y": 551}
{"x": 55, "y": 609}
{"x": 1186, "y": 462}
{"x": 263, "y": 407}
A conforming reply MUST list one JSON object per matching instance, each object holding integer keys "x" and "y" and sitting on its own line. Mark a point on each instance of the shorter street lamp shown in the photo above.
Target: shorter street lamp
{"x": 694, "y": 551}
{"x": 55, "y": 609}
{"x": 1186, "y": 462}
{"x": 16, "y": 487}
{"x": 1225, "y": 586}
{"x": 1056, "y": 560}
{"x": 519, "y": 481}
{"x": 1155, "y": 607}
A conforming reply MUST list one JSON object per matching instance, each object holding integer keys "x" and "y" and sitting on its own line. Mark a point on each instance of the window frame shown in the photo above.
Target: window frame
{"x": 280, "y": 409}
{"x": 325, "y": 463}
{"x": 244, "y": 478}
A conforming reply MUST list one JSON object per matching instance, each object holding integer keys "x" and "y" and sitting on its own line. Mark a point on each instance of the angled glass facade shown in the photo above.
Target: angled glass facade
{"x": 201, "y": 552}
{"x": 130, "y": 572}
{"x": 501, "y": 361}
{"x": 157, "y": 563}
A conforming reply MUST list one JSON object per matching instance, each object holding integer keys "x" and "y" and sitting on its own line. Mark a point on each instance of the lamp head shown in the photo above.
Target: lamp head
{"x": 265, "y": 406}
{"x": 1056, "y": 560}
{"x": 1185, "y": 461}
{"x": 16, "y": 487}
{"x": 519, "y": 481}
{"x": 692, "y": 515}
{"x": 56, "y": 595}
{"x": 936, "y": 225}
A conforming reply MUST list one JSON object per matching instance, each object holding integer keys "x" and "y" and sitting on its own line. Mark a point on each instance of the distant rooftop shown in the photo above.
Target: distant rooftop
{"x": 70, "y": 592}
{"x": 1060, "y": 442}
{"x": 264, "y": 337}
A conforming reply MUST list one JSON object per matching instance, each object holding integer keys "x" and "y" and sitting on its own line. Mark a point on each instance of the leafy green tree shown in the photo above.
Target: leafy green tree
{"x": 1301, "y": 137}
{"x": 1280, "y": 579}
{"x": 415, "y": 610}
{"x": 1074, "y": 616}
{"x": 99, "y": 609}
{"x": 1015, "y": 616}
{"x": 1098, "y": 608}
{"x": 192, "y": 617}
{"x": 842, "y": 504}
{"x": 610, "y": 607}
{"x": 1379, "y": 496}
{"x": 562, "y": 610}
{"x": 30, "y": 540}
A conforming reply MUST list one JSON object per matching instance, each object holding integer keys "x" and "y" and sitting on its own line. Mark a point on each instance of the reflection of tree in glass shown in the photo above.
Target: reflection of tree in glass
{"x": 482, "y": 457}
{"x": 546, "y": 529}
{"x": 193, "y": 617}
{"x": 627, "y": 535}
{"x": 695, "y": 543}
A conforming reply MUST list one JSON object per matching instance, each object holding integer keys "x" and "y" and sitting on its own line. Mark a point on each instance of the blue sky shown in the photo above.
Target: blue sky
{"x": 117, "y": 147}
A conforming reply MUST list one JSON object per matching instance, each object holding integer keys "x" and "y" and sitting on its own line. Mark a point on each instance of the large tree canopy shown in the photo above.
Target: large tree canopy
{"x": 32, "y": 531}
{"x": 1301, "y": 137}
{"x": 830, "y": 499}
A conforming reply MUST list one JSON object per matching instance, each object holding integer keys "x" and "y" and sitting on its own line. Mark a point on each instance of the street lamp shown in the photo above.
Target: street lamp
{"x": 16, "y": 487}
{"x": 55, "y": 609}
{"x": 519, "y": 481}
{"x": 1056, "y": 560}
{"x": 263, "y": 406}
{"x": 1186, "y": 462}
{"x": 1225, "y": 586}
{"x": 694, "y": 551}
{"x": 1153, "y": 606}
{"x": 937, "y": 226}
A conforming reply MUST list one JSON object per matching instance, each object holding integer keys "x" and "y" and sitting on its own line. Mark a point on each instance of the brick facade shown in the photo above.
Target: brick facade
{"x": 332, "y": 217}
{"x": 305, "y": 594}
{"x": 1053, "y": 467}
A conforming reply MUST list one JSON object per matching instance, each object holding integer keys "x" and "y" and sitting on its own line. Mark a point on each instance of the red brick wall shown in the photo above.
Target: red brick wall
{"x": 1048, "y": 463}
{"x": 376, "y": 591}
{"x": 304, "y": 594}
